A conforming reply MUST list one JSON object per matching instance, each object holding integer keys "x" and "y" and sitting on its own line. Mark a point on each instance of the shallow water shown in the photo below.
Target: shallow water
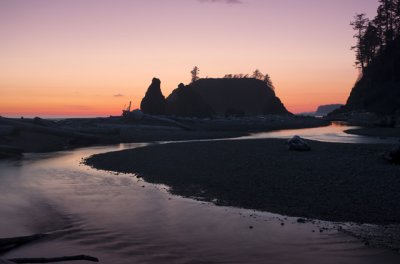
{"x": 332, "y": 133}
{"x": 121, "y": 219}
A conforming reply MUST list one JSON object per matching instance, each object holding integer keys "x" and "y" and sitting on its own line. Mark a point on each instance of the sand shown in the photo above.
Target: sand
{"x": 335, "y": 182}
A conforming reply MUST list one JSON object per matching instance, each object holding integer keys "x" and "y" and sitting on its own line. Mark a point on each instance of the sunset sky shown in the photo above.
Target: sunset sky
{"x": 91, "y": 57}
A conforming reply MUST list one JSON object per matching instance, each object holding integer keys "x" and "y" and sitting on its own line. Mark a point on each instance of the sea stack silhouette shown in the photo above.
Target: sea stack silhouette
{"x": 153, "y": 102}
{"x": 215, "y": 97}
{"x": 185, "y": 102}
{"x": 248, "y": 96}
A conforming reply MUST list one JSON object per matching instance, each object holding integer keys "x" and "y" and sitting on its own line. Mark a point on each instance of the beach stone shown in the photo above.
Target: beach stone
{"x": 296, "y": 143}
{"x": 393, "y": 156}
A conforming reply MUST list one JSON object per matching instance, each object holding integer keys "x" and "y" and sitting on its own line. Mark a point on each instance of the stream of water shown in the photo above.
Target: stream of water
{"x": 121, "y": 219}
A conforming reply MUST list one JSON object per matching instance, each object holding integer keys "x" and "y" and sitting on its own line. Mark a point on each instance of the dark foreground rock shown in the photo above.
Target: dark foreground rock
{"x": 296, "y": 143}
{"x": 338, "y": 182}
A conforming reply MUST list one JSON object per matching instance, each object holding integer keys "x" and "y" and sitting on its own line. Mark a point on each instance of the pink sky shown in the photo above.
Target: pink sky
{"x": 91, "y": 57}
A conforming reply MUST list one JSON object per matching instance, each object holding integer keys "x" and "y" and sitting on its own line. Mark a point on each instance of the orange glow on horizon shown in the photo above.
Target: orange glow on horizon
{"x": 91, "y": 57}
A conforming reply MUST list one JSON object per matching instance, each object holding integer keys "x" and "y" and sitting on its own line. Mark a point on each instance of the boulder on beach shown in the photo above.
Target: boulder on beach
{"x": 296, "y": 143}
{"x": 153, "y": 102}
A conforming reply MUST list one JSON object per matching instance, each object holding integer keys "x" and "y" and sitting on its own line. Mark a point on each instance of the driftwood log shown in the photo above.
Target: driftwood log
{"x": 7, "y": 244}
{"x": 57, "y": 259}
{"x": 10, "y": 152}
{"x": 167, "y": 120}
{"x": 65, "y": 132}
{"x": 100, "y": 131}
{"x": 7, "y": 130}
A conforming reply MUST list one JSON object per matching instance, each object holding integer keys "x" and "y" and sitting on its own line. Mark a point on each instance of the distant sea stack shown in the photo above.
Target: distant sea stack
{"x": 242, "y": 96}
{"x": 378, "y": 90}
{"x": 323, "y": 110}
{"x": 153, "y": 102}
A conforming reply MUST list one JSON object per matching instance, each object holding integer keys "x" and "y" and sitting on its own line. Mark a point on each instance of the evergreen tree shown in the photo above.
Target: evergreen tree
{"x": 360, "y": 24}
{"x": 195, "y": 74}
{"x": 370, "y": 43}
{"x": 268, "y": 81}
{"x": 257, "y": 74}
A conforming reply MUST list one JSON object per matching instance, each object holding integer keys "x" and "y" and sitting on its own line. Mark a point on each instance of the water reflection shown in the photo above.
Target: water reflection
{"x": 332, "y": 133}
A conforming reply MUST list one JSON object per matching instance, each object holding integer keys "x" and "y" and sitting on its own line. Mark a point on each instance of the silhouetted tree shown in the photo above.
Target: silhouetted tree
{"x": 360, "y": 24}
{"x": 195, "y": 74}
{"x": 373, "y": 36}
{"x": 257, "y": 74}
{"x": 387, "y": 18}
{"x": 268, "y": 81}
{"x": 370, "y": 43}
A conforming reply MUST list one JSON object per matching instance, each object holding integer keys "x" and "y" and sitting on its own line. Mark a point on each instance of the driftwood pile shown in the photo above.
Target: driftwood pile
{"x": 11, "y": 127}
{"x": 46, "y": 127}
{"x": 76, "y": 132}
{"x": 7, "y": 244}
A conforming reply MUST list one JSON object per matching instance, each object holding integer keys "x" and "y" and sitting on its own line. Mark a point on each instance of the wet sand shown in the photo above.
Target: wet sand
{"x": 335, "y": 182}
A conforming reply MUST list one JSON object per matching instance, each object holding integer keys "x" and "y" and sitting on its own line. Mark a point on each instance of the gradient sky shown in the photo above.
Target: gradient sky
{"x": 91, "y": 57}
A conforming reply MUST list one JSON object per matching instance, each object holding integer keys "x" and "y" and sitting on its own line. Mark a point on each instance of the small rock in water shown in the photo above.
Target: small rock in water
{"x": 298, "y": 144}
{"x": 393, "y": 156}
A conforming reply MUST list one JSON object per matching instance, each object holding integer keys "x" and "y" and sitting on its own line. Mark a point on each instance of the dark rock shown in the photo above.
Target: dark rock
{"x": 232, "y": 112}
{"x": 184, "y": 101}
{"x": 248, "y": 96}
{"x": 153, "y": 102}
{"x": 393, "y": 156}
{"x": 298, "y": 144}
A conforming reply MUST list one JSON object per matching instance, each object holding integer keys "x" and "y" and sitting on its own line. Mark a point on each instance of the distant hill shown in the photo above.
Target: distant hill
{"x": 323, "y": 110}
{"x": 378, "y": 90}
